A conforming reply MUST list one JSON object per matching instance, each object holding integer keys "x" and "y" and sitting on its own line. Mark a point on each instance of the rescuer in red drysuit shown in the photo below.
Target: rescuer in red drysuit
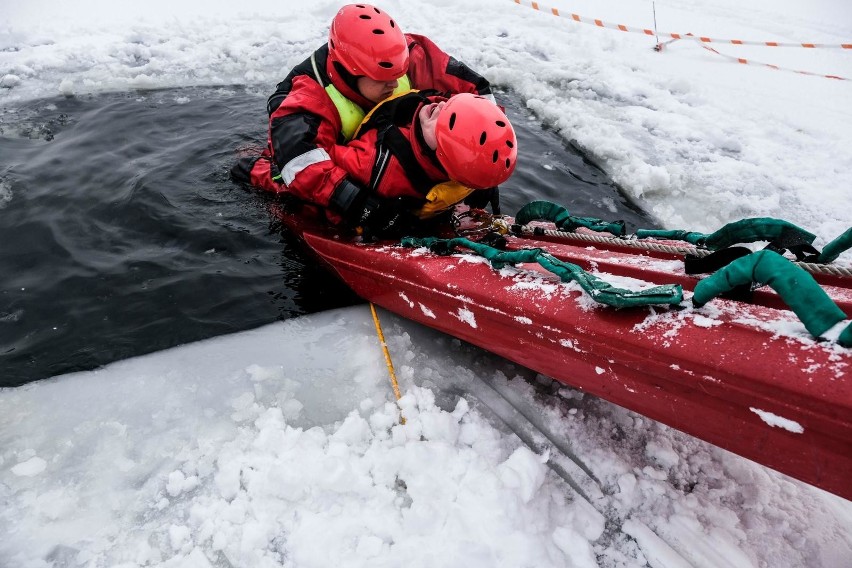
{"x": 426, "y": 153}
{"x": 324, "y": 98}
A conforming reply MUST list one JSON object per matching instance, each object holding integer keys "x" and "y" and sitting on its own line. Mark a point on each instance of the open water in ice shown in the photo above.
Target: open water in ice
{"x": 122, "y": 234}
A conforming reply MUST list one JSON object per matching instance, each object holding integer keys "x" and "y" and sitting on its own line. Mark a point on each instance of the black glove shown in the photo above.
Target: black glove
{"x": 482, "y": 197}
{"x": 377, "y": 217}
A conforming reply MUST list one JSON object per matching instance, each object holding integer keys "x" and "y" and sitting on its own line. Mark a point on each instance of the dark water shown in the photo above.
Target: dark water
{"x": 121, "y": 233}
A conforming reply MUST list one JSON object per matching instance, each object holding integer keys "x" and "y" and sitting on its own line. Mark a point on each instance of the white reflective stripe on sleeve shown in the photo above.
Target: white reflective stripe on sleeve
{"x": 299, "y": 163}
{"x": 490, "y": 97}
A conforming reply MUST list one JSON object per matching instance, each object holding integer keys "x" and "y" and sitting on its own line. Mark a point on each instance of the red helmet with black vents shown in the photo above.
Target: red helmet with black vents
{"x": 476, "y": 144}
{"x": 367, "y": 42}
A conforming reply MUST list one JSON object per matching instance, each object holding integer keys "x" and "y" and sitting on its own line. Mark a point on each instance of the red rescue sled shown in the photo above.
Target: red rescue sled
{"x": 746, "y": 377}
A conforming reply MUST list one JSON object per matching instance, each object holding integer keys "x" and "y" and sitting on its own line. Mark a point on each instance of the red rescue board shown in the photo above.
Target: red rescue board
{"x": 746, "y": 377}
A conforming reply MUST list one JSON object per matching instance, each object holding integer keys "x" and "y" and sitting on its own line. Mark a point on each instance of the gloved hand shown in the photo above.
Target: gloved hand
{"x": 384, "y": 219}
{"x": 482, "y": 197}
{"x": 375, "y": 216}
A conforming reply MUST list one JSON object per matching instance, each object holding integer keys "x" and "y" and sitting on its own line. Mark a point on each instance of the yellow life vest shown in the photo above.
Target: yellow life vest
{"x": 350, "y": 113}
{"x": 366, "y": 118}
{"x": 442, "y": 197}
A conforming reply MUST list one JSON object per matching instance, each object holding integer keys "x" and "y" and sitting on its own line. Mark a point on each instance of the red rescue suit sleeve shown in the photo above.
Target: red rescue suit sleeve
{"x": 431, "y": 68}
{"x": 302, "y": 131}
{"x": 357, "y": 158}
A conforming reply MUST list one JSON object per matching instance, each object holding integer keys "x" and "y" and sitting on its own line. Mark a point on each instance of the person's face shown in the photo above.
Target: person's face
{"x": 428, "y": 117}
{"x": 376, "y": 91}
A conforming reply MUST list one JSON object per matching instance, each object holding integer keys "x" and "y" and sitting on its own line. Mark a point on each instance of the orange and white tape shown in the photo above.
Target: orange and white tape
{"x": 584, "y": 20}
{"x": 744, "y": 61}
{"x": 701, "y": 39}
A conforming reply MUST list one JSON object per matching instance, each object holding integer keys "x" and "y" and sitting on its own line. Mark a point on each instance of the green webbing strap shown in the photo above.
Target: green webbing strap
{"x": 547, "y": 211}
{"x": 779, "y": 233}
{"x": 796, "y": 287}
{"x": 845, "y": 338}
{"x": 599, "y": 290}
{"x": 776, "y": 231}
{"x": 833, "y": 249}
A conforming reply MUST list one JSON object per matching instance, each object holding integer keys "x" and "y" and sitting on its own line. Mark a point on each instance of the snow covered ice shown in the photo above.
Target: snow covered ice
{"x": 269, "y": 448}
{"x": 263, "y": 449}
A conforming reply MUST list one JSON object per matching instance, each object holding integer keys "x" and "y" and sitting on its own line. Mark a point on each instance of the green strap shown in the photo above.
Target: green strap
{"x": 777, "y": 231}
{"x": 845, "y": 338}
{"x": 833, "y": 249}
{"x": 759, "y": 229}
{"x": 547, "y": 211}
{"x": 599, "y": 290}
{"x": 796, "y": 287}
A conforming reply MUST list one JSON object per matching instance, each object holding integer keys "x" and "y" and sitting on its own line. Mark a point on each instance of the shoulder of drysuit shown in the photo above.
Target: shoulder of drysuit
{"x": 430, "y": 67}
{"x": 424, "y": 45}
{"x": 300, "y": 93}
{"x": 300, "y": 90}
{"x": 282, "y": 89}
{"x": 306, "y": 95}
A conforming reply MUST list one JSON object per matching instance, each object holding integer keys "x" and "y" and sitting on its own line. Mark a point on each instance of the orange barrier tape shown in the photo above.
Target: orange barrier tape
{"x": 702, "y": 39}
{"x": 776, "y": 67}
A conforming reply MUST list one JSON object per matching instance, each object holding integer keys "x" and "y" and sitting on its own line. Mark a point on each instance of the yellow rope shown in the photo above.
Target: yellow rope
{"x": 388, "y": 361}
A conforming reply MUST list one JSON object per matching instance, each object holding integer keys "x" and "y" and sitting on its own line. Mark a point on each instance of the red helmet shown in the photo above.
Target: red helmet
{"x": 476, "y": 143}
{"x": 367, "y": 42}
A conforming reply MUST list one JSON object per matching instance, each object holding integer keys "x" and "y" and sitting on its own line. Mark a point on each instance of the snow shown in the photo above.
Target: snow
{"x": 466, "y": 316}
{"x": 29, "y": 468}
{"x": 283, "y": 446}
{"x": 833, "y": 333}
{"x": 430, "y": 314}
{"x": 778, "y": 421}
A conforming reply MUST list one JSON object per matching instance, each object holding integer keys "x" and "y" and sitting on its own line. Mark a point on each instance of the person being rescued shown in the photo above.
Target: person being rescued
{"x": 321, "y": 102}
{"x": 418, "y": 154}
